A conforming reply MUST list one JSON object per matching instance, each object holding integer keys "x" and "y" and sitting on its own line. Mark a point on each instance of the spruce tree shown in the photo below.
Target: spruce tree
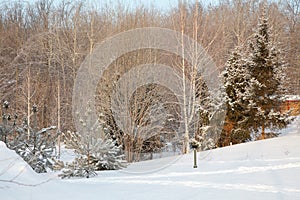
{"x": 266, "y": 67}
{"x": 210, "y": 112}
{"x": 238, "y": 88}
{"x": 92, "y": 155}
{"x": 39, "y": 149}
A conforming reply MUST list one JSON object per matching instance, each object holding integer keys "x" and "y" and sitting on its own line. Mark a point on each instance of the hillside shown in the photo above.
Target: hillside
{"x": 268, "y": 169}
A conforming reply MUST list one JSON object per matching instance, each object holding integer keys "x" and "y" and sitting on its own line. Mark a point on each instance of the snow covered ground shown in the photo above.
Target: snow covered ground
{"x": 268, "y": 169}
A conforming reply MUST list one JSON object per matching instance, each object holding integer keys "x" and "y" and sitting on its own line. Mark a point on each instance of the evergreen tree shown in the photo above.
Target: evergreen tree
{"x": 266, "y": 66}
{"x": 254, "y": 84}
{"x": 209, "y": 107}
{"x": 38, "y": 149}
{"x": 238, "y": 88}
{"x": 92, "y": 155}
{"x": 94, "y": 150}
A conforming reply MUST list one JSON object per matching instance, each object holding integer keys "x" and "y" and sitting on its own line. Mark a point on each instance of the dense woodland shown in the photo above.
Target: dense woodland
{"x": 43, "y": 44}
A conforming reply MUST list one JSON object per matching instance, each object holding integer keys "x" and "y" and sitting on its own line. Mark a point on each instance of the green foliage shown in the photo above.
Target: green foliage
{"x": 254, "y": 84}
{"x": 37, "y": 148}
{"x": 92, "y": 155}
{"x": 80, "y": 167}
{"x": 267, "y": 67}
{"x": 238, "y": 87}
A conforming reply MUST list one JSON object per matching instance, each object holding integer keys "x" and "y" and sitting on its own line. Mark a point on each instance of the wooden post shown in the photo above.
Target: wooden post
{"x": 195, "y": 158}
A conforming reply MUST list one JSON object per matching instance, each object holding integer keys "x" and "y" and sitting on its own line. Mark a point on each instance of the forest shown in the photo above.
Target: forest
{"x": 44, "y": 43}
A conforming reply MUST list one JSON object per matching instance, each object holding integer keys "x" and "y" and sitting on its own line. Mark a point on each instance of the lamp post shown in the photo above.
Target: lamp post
{"x": 34, "y": 110}
{"x": 195, "y": 145}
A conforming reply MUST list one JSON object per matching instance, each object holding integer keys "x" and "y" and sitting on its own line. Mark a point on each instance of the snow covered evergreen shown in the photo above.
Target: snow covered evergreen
{"x": 37, "y": 149}
{"x": 96, "y": 154}
{"x": 210, "y": 115}
{"x": 238, "y": 87}
{"x": 267, "y": 67}
{"x": 254, "y": 84}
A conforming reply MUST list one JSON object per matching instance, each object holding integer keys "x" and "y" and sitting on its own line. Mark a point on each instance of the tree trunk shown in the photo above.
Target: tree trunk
{"x": 185, "y": 103}
{"x": 263, "y": 136}
{"x": 58, "y": 117}
{"x": 28, "y": 102}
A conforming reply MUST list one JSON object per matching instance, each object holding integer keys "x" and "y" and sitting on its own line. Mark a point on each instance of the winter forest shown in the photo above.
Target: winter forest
{"x": 254, "y": 45}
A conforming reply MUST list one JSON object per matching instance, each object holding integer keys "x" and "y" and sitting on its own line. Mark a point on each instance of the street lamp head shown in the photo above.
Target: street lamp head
{"x": 34, "y": 108}
{"x": 5, "y": 104}
{"x": 195, "y": 144}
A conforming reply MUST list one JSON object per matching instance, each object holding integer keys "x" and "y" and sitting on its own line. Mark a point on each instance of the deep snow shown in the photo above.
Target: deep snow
{"x": 268, "y": 169}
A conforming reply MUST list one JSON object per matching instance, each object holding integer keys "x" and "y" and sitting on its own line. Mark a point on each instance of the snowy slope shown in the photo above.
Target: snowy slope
{"x": 268, "y": 169}
{"x": 14, "y": 169}
{"x": 293, "y": 128}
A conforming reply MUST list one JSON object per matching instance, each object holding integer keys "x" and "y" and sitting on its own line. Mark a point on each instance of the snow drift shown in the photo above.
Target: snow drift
{"x": 266, "y": 169}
